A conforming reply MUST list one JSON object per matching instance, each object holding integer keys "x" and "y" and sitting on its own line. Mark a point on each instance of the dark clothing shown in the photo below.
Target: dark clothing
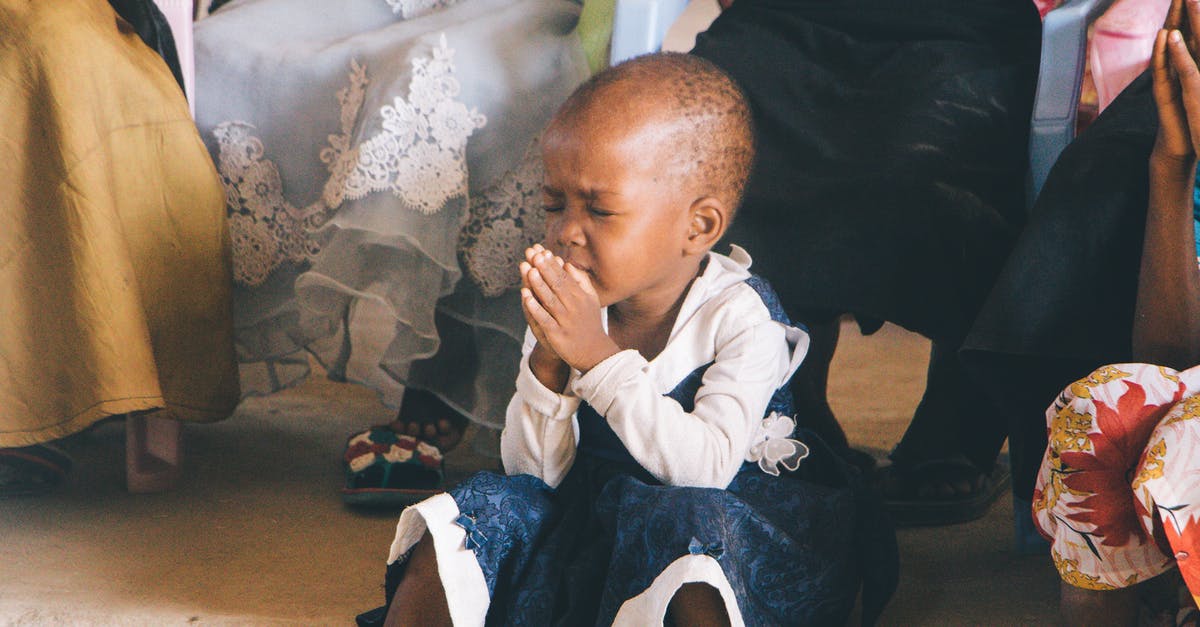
{"x": 151, "y": 26}
{"x": 892, "y": 142}
{"x": 1063, "y": 304}
{"x": 892, "y": 150}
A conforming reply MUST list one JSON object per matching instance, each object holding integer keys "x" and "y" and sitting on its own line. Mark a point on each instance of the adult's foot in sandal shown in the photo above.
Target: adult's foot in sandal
{"x": 32, "y": 470}
{"x": 940, "y": 492}
{"x": 423, "y": 415}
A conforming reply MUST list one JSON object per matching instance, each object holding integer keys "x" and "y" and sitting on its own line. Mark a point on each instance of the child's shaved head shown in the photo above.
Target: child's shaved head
{"x": 702, "y": 120}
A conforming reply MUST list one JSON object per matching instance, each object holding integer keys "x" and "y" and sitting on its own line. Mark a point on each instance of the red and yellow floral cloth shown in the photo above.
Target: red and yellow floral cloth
{"x": 1118, "y": 494}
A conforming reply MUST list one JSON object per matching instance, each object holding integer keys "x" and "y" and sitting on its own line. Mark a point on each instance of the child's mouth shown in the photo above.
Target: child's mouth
{"x": 577, "y": 265}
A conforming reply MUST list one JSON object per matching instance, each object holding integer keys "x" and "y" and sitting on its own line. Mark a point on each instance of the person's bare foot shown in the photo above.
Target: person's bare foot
{"x": 424, "y": 415}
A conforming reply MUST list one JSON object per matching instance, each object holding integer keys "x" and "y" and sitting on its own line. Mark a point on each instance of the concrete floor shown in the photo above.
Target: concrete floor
{"x": 256, "y": 535}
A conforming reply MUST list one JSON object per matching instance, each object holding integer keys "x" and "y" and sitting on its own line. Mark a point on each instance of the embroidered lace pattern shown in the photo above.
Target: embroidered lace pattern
{"x": 504, "y": 220}
{"x": 266, "y": 230}
{"x": 408, "y": 9}
{"x": 419, "y": 155}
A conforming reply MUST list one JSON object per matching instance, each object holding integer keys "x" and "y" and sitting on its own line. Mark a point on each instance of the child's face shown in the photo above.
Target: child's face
{"x": 613, "y": 209}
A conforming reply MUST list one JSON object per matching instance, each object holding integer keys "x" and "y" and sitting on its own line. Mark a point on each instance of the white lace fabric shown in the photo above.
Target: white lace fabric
{"x": 409, "y": 9}
{"x": 504, "y": 220}
{"x": 419, "y": 155}
{"x": 348, "y": 215}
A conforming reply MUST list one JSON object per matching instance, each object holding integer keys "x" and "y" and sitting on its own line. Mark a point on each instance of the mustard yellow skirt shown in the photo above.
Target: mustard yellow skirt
{"x": 115, "y": 276}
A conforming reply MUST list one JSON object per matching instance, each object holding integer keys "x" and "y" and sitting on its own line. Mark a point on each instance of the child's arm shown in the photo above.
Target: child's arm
{"x": 539, "y": 432}
{"x": 704, "y": 447}
{"x": 707, "y": 446}
{"x": 1166, "y": 328}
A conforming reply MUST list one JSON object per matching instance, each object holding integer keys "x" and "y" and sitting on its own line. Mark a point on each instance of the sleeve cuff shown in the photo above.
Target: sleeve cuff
{"x": 542, "y": 399}
{"x": 602, "y": 384}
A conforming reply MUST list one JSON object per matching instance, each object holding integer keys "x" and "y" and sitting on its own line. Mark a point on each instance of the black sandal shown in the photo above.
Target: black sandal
{"x": 901, "y": 486}
{"x": 32, "y": 470}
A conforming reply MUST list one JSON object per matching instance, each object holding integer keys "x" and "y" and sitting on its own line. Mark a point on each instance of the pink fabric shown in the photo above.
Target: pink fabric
{"x": 1045, "y": 6}
{"x": 1122, "y": 41}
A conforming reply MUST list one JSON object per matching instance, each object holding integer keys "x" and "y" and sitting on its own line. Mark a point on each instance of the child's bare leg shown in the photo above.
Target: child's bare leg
{"x": 698, "y": 605}
{"x": 1097, "y": 608}
{"x": 420, "y": 598}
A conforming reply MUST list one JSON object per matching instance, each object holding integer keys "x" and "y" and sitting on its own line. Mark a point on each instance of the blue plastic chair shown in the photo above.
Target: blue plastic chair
{"x": 639, "y": 27}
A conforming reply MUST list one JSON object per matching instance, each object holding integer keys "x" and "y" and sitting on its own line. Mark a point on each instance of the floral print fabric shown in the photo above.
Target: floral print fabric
{"x": 1117, "y": 493}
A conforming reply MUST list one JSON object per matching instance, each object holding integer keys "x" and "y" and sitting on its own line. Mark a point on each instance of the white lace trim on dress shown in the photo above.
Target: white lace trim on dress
{"x": 408, "y": 9}
{"x": 504, "y": 220}
{"x": 419, "y": 155}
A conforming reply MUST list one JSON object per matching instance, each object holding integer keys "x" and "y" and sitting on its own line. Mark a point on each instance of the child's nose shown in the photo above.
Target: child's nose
{"x": 566, "y": 232}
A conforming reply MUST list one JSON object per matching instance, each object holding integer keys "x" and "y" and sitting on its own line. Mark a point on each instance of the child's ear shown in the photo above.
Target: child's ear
{"x": 708, "y": 218}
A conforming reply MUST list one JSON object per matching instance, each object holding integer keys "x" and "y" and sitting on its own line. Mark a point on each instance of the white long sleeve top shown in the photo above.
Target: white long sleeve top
{"x": 724, "y": 322}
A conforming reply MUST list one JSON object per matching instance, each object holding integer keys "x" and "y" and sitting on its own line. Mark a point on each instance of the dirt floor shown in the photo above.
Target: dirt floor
{"x": 256, "y": 534}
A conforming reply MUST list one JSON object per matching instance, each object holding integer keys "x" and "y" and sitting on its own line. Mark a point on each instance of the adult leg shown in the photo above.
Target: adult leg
{"x": 1096, "y": 608}
{"x": 953, "y": 423}
{"x": 810, "y": 390}
{"x": 810, "y": 385}
{"x": 420, "y": 598}
{"x": 1156, "y": 601}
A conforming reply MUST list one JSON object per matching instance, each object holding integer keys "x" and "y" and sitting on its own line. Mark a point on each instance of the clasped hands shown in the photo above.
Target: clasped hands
{"x": 563, "y": 312}
{"x": 1177, "y": 88}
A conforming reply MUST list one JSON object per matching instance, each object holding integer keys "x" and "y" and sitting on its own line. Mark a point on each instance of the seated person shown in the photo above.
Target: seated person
{"x": 1116, "y": 490}
{"x": 684, "y": 493}
{"x": 114, "y": 255}
{"x": 380, "y": 161}
{"x": 1064, "y": 302}
{"x": 893, "y": 149}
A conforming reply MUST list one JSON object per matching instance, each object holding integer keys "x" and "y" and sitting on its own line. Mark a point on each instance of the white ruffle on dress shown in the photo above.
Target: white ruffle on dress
{"x": 380, "y": 164}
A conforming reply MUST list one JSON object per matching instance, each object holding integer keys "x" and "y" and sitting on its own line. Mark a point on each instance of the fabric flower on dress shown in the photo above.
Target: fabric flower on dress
{"x": 772, "y": 445}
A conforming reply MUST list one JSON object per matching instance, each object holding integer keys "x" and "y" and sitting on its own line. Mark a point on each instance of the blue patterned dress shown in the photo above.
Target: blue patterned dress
{"x": 793, "y": 548}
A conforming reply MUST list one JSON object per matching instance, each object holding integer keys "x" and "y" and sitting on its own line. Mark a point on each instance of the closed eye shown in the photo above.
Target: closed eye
{"x": 598, "y": 212}
{"x": 552, "y": 208}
